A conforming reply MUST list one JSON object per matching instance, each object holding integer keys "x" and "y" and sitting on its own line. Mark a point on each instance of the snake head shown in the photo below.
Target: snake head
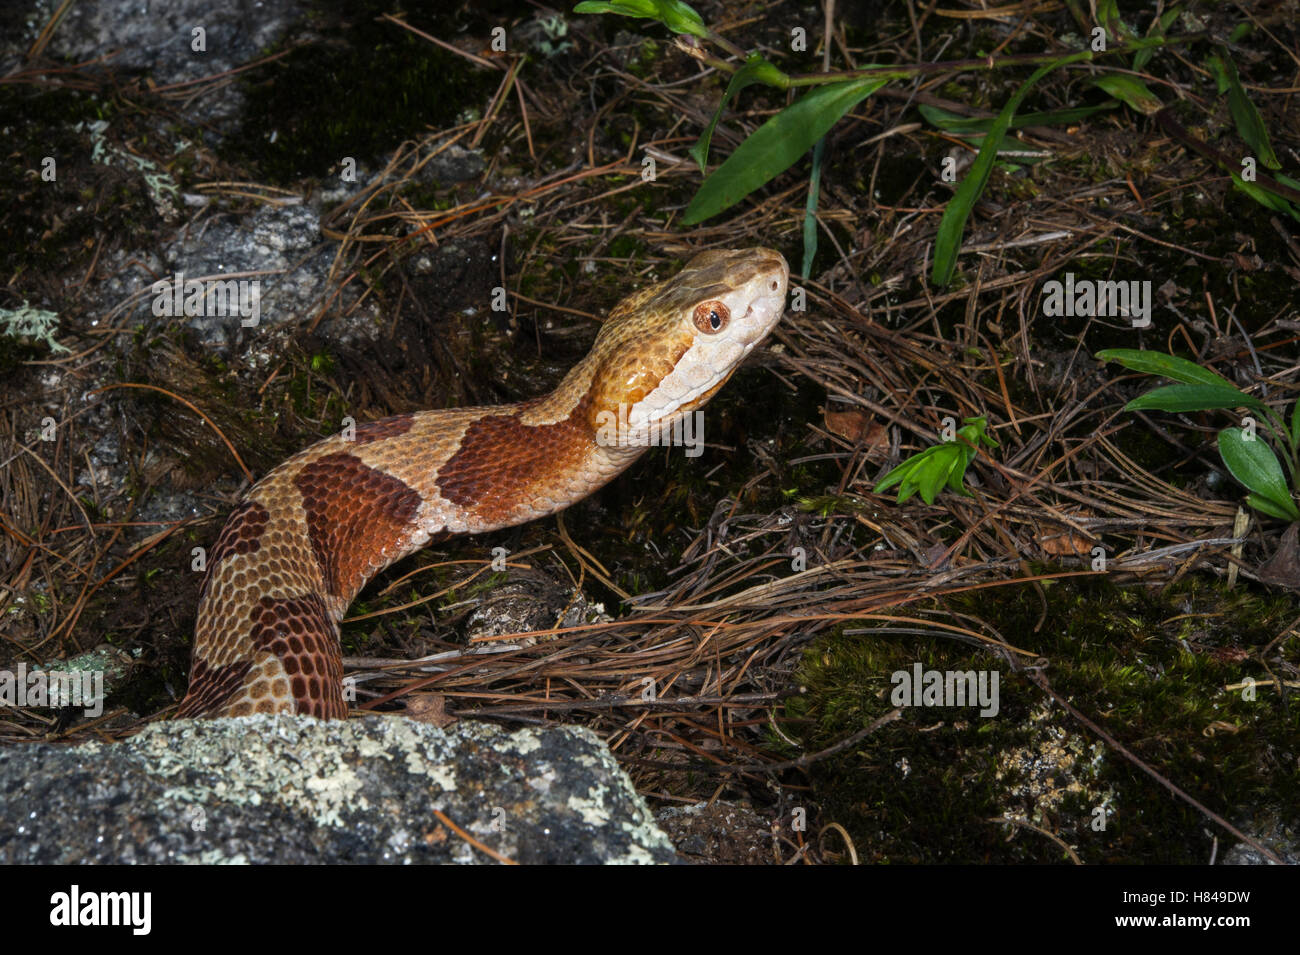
{"x": 665, "y": 350}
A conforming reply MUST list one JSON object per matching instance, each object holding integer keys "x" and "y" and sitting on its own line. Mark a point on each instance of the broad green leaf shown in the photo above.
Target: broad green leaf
{"x": 1265, "y": 506}
{"x": 1214, "y": 63}
{"x": 673, "y": 14}
{"x": 955, "y": 480}
{"x": 755, "y": 70}
{"x": 961, "y": 461}
{"x": 942, "y": 464}
{"x": 934, "y": 476}
{"x": 1295, "y": 425}
{"x": 1167, "y": 366}
{"x": 906, "y": 471}
{"x": 1250, "y": 125}
{"x": 947, "y": 242}
{"x": 952, "y": 123}
{"x": 947, "y": 120}
{"x": 1265, "y": 197}
{"x": 1195, "y": 398}
{"x": 776, "y": 145}
{"x": 904, "y": 476}
{"x": 894, "y": 476}
{"x": 1253, "y": 463}
{"x": 1130, "y": 90}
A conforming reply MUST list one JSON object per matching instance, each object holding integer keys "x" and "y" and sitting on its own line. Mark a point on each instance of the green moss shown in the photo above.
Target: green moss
{"x": 54, "y": 227}
{"x": 1149, "y": 666}
{"x": 625, "y": 246}
{"x": 310, "y": 393}
{"x": 646, "y": 57}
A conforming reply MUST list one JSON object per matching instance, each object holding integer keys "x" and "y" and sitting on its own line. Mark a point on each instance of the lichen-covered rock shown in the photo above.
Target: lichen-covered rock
{"x": 293, "y": 789}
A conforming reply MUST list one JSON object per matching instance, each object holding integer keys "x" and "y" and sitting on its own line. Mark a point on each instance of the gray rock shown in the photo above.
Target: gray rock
{"x": 160, "y": 38}
{"x": 528, "y": 601}
{"x": 275, "y": 246}
{"x": 455, "y": 163}
{"x": 298, "y": 790}
{"x": 1274, "y": 827}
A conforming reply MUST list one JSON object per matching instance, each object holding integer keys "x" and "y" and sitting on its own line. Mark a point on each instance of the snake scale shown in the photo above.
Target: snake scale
{"x": 306, "y": 538}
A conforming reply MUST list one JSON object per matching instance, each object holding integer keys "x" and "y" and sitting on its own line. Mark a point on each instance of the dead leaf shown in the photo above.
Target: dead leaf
{"x": 1065, "y": 543}
{"x": 1219, "y": 726}
{"x": 934, "y": 556}
{"x": 1283, "y": 568}
{"x": 858, "y": 428}
{"x": 1062, "y": 540}
{"x": 428, "y": 708}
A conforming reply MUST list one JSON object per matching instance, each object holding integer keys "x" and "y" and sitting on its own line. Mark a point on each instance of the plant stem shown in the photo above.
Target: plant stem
{"x": 727, "y": 45}
{"x": 989, "y": 63}
{"x": 921, "y": 69}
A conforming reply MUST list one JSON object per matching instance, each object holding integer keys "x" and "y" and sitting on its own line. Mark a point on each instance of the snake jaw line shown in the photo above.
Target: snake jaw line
{"x": 688, "y": 363}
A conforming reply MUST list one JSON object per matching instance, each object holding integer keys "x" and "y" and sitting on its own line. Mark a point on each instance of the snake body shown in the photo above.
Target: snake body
{"x": 305, "y": 539}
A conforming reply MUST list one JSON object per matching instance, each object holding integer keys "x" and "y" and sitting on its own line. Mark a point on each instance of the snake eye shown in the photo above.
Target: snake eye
{"x": 711, "y": 317}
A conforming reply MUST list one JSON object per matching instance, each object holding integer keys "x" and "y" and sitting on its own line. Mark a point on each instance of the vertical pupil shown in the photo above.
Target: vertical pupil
{"x": 713, "y": 318}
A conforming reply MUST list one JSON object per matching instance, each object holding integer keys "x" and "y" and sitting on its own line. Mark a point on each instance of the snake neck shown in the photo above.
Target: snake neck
{"x": 591, "y": 416}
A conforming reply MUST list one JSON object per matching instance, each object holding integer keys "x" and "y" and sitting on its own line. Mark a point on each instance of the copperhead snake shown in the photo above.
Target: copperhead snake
{"x": 304, "y": 540}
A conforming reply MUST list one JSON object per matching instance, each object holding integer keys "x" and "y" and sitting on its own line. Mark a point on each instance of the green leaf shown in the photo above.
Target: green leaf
{"x": 1167, "y": 366}
{"x": 1195, "y": 398}
{"x": 1131, "y": 91}
{"x": 776, "y": 145}
{"x": 955, "y": 480}
{"x": 1253, "y": 463}
{"x": 952, "y": 123}
{"x": 1265, "y": 197}
{"x": 904, "y": 475}
{"x": 947, "y": 242}
{"x": 1159, "y": 27}
{"x": 627, "y": 8}
{"x": 673, "y": 14}
{"x": 1214, "y": 63}
{"x": 1241, "y": 31}
{"x": 942, "y": 464}
{"x": 931, "y": 479}
{"x": 975, "y": 433}
{"x": 1108, "y": 16}
{"x": 755, "y": 70}
{"x": 1265, "y": 506}
{"x": 810, "y": 209}
{"x": 1295, "y": 424}
{"x": 1250, "y": 125}
{"x": 895, "y": 475}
